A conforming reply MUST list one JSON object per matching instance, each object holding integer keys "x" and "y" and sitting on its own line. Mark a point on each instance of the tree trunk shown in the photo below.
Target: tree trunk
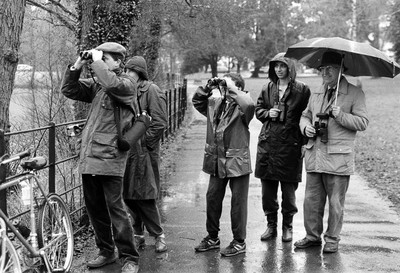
{"x": 213, "y": 60}
{"x": 255, "y": 72}
{"x": 146, "y": 37}
{"x": 11, "y": 22}
{"x": 86, "y": 18}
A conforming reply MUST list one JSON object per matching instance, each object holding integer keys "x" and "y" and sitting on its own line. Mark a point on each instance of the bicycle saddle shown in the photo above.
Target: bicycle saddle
{"x": 35, "y": 163}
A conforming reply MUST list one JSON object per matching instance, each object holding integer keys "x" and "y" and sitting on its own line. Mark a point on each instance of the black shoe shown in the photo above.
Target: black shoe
{"x": 287, "y": 234}
{"x": 305, "y": 242}
{"x": 269, "y": 234}
{"x": 102, "y": 260}
{"x": 208, "y": 243}
{"x": 233, "y": 249}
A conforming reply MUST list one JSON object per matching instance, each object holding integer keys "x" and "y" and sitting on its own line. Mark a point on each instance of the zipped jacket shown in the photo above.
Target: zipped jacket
{"x": 227, "y": 151}
{"x": 99, "y": 154}
{"x": 337, "y": 155}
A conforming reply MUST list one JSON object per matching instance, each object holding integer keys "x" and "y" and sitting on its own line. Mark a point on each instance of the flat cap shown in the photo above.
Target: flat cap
{"x": 112, "y": 47}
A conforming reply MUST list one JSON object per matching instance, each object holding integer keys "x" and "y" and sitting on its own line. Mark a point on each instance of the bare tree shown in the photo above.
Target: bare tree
{"x": 11, "y": 22}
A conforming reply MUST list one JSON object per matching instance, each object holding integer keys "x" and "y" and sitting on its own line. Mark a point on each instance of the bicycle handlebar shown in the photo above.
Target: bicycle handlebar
{"x": 5, "y": 159}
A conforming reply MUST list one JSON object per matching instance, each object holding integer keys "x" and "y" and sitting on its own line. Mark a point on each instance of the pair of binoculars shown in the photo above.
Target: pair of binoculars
{"x": 321, "y": 127}
{"x": 282, "y": 113}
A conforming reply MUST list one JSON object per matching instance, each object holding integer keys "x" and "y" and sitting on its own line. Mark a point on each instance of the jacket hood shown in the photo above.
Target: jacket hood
{"x": 280, "y": 58}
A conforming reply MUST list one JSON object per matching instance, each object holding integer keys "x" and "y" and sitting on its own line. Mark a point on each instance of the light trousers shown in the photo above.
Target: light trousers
{"x": 319, "y": 187}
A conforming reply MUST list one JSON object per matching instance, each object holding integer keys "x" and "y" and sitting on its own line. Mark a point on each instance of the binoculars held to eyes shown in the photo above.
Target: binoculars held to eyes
{"x": 85, "y": 55}
{"x": 216, "y": 82}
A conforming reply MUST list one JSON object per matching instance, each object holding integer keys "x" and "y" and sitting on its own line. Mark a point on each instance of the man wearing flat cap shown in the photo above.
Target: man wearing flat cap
{"x": 102, "y": 163}
{"x": 331, "y": 120}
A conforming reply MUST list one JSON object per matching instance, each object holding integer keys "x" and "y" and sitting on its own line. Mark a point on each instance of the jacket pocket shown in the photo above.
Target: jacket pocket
{"x": 341, "y": 158}
{"x": 210, "y": 158}
{"x": 237, "y": 162}
{"x": 310, "y": 144}
{"x": 339, "y": 149}
{"x": 104, "y": 145}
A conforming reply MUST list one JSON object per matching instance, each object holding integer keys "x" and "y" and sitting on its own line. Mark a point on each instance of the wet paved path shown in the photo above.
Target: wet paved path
{"x": 370, "y": 236}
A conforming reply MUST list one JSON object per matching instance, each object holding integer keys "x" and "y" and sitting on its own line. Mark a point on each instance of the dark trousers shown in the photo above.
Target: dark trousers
{"x": 215, "y": 196}
{"x": 106, "y": 210}
{"x": 145, "y": 214}
{"x": 270, "y": 197}
{"x": 155, "y": 164}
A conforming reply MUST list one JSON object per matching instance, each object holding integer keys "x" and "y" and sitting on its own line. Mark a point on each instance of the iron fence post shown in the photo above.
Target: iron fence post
{"x": 3, "y": 193}
{"x": 170, "y": 117}
{"x": 52, "y": 157}
{"x": 175, "y": 116}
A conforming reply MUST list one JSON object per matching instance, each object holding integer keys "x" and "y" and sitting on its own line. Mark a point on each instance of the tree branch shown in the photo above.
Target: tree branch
{"x": 63, "y": 8}
{"x": 68, "y": 22}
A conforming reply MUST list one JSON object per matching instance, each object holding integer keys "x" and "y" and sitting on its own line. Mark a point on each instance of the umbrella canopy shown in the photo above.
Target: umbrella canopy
{"x": 360, "y": 59}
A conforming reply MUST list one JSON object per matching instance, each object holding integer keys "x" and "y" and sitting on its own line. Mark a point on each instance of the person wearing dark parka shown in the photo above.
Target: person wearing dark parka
{"x": 142, "y": 175}
{"x": 279, "y": 161}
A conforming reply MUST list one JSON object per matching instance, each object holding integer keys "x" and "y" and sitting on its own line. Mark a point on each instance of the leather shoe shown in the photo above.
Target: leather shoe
{"x": 161, "y": 245}
{"x": 330, "y": 247}
{"x": 140, "y": 241}
{"x": 102, "y": 260}
{"x": 305, "y": 242}
{"x": 269, "y": 234}
{"x": 130, "y": 267}
{"x": 287, "y": 234}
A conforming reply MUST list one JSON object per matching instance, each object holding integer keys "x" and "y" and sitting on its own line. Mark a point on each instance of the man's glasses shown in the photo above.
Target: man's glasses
{"x": 327, "y": 69}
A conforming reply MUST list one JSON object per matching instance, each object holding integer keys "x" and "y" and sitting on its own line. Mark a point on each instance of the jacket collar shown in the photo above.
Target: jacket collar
{"x": 343, "y": 87}
{"x": 143, "y": 85}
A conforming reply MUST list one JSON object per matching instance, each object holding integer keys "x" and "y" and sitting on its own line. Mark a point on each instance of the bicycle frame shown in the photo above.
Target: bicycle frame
{"x": 32, "y": 247}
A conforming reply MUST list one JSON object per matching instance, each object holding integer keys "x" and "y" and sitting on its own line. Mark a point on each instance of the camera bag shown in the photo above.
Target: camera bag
{"x": 140, "y": 124}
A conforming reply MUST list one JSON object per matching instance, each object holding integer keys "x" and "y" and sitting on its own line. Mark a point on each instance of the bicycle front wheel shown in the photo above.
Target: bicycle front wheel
{"x": 55, "y": 233}
{"x": 9, "y": 259}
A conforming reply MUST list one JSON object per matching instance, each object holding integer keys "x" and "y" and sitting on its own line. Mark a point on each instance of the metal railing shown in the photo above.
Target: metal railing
{"x": 176, "y": 106}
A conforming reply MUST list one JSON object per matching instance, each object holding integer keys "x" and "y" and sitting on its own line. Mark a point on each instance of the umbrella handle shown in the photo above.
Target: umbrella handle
{"x": 338, "y": 80}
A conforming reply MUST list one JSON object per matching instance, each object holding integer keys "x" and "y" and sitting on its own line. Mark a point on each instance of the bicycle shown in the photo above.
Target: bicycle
{"x": 51, "y": 232}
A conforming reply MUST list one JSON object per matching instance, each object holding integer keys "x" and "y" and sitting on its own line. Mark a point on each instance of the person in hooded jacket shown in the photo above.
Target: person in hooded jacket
{"x": 102, "y": 163}
{"x": 142, "y": 175}
{"x": 227, "y": 157}
{"x": 279, "y": 161}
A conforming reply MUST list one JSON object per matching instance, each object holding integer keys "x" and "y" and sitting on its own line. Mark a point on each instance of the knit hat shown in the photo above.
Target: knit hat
{"x": 138, "y": 64}
{"x": 112, "y": 47}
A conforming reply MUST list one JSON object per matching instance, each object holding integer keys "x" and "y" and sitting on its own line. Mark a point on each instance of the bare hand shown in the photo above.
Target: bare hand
{"x": 97, "y": 55}
{"x": 335, "y": 111}
{"x": 310, "y": 131}
{"x": 274, "y": 112}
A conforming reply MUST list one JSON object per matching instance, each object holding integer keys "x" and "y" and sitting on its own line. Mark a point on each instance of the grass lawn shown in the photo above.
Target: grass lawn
{"x": 377, "y": 148}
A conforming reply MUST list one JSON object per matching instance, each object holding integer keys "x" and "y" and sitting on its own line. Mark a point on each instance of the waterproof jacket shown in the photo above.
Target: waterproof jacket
{"x": 279, "y": 143}
{"x": 99, "y": 154}
{"x": 227, "y": 151}
{"x": 141, "y": 180}
{"x": 337, "y": 155}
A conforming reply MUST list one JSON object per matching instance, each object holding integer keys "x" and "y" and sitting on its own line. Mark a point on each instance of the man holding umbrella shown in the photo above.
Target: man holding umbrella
{"x": 331, "y": 120}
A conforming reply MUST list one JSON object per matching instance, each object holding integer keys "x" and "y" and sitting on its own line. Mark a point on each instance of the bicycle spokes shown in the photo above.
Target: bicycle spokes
{"x": 55, "y": 233}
